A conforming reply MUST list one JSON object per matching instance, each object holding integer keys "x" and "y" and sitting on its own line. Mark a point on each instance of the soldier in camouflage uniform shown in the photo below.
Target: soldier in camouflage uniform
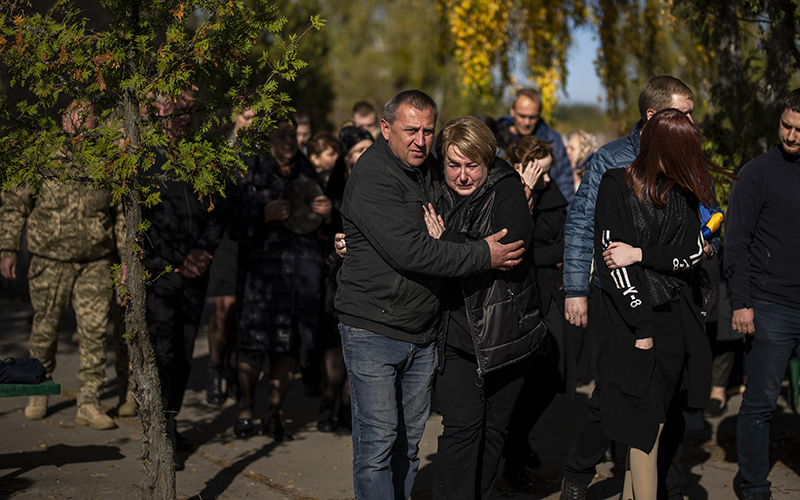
{"x": 72, "y": 231}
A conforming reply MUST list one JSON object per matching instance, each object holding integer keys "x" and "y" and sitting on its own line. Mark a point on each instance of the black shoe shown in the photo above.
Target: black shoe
{"x": 516, "y": 476}
{"x": 244, "y": 428}
{"x": 181, "y": 443}
{"x": 214, "y": 394}
{"x": 609, "y": 455}
{"x": 531, "y": 460}
{"x": 759, "y": 495}
{"x": 172, "y": 434}
{"x": 571, "y": 491}
{"x": 232, "y": 382}
{"x": 345, "y": 418}
{"x": 179, "y": 465}
{"x": 325, "y": 422}
{"x": 272, "y": 427}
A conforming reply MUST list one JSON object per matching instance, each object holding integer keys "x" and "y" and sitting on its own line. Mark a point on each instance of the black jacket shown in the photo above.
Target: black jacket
{"x": 503, "y": 308}
{"x": 549, "y": 215}
{"x": 180, "y": 223}
{"x": 659, "y": 298}
{"x": 391, "y": 280}
{"x": 761, "y": 237}
{"x": 671, "y": 245}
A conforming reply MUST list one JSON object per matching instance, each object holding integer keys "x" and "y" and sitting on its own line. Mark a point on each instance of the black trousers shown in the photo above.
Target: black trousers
{"x": 174, "y": 309}
{"x": 591, "y": 442}
{"x": 539, "y": 390}
{"x": 475, "y": 416}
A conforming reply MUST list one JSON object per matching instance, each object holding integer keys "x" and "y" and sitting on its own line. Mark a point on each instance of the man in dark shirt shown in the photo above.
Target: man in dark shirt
{"x": 762, "y": 246}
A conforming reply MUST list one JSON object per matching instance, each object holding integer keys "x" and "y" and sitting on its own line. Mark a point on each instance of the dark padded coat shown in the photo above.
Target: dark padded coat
{"x": 503, "y": 307}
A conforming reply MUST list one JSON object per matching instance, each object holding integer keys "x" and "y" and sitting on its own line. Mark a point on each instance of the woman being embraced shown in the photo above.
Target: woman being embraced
{"x": 492, "y": 322}
{"x": 648, "y": 232}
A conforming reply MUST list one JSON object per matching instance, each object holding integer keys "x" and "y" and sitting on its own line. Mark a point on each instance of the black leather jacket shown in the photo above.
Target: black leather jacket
{"x": 503, "y": 307}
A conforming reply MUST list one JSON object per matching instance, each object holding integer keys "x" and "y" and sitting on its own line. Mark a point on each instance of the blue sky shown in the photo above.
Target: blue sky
{"x": 583, "y": 84}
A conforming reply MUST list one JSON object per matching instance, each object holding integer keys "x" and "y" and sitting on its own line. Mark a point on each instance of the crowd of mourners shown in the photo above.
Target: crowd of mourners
{"x": 479, "y": 271}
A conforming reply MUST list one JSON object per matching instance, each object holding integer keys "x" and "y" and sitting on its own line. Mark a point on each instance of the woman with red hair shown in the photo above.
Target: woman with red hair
{"x": 648, "y": 232}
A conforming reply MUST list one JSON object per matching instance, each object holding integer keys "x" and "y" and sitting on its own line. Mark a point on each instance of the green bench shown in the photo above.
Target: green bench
{"x": 46, "y": 388}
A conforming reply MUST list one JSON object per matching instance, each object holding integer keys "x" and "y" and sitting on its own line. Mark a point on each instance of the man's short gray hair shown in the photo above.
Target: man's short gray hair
{"x": 414, "y": 98}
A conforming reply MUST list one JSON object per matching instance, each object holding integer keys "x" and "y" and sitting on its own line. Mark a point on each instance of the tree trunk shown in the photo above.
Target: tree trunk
{"x": 157, "y": 454}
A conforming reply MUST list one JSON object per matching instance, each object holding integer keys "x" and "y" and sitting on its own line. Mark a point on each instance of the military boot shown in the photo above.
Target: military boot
{"x": 127, "y": 406}
{"x": 36, "y": 409}
{"x": 94, "y": 416}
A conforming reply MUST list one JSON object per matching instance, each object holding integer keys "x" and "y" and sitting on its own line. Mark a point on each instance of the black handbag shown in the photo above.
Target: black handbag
{"x": 709, "y": 292}
{"x": 22, "y": 371}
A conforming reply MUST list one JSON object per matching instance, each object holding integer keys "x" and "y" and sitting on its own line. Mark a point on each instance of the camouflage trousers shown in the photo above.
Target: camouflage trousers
{"x": 53, "y": 286}
{"x": 123, "y": 363}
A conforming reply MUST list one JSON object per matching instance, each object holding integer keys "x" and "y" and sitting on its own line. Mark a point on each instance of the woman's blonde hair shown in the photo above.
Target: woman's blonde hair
{"x": 471, "y": 136}
{"x": 588, "y": 146}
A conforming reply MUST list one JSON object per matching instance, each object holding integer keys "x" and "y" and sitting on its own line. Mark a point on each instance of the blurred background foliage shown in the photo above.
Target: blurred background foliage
{"x": 739, "y": 56}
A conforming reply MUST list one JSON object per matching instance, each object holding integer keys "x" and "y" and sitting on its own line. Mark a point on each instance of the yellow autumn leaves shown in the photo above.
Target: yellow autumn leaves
{"x": 486, "y": 33}
{"x": 477, "y": 29}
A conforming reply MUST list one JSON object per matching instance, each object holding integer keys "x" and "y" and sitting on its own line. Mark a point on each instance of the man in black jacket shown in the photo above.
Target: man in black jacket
{"x": 761, "y": 251}
{"x": 388, "y": 294}
{"x": 183, "y": 236}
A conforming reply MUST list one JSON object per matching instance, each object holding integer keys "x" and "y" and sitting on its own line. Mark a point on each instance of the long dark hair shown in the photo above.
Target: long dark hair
{"x": 670, "y": 145}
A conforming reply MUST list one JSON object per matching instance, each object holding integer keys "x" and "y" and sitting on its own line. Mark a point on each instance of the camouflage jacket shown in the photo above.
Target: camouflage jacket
{"x": 67, "y": 223}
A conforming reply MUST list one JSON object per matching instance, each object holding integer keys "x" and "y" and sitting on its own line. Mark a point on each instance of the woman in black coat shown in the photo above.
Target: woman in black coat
{"x": 492, "y": 321}
{"x": 553, "y": 370}
{"x": 648, "y": 244}
{"x": 278, "y": 279}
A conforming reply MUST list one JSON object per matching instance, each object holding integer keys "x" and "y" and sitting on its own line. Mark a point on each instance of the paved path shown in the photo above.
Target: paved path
{"x": 54, "y": 458}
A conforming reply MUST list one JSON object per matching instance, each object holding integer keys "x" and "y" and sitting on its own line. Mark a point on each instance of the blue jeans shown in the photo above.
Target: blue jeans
{"x": 768, "y": 351}
{"x": 390, "y": 386}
